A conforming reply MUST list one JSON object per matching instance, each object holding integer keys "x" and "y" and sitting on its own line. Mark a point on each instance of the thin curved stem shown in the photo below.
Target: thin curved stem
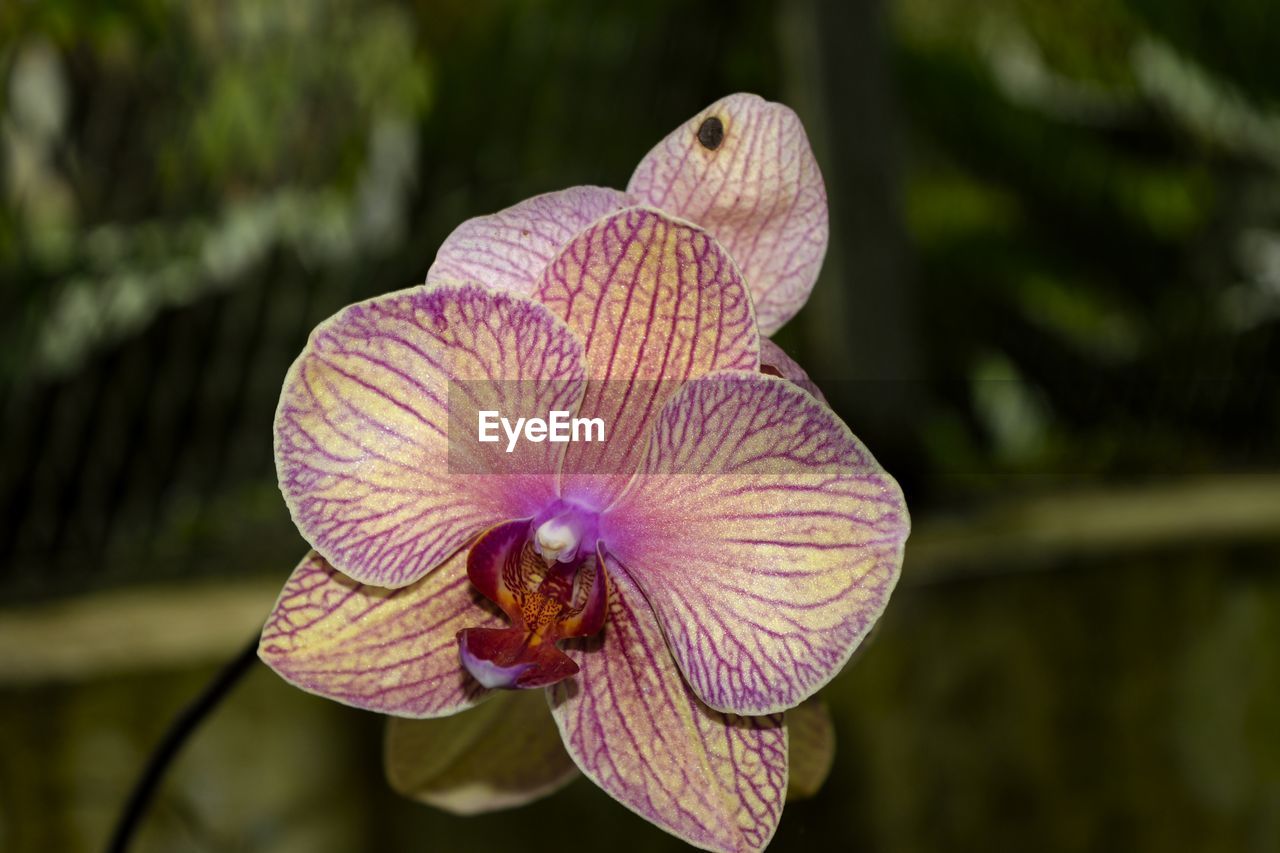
{"x": 183, "y": 726}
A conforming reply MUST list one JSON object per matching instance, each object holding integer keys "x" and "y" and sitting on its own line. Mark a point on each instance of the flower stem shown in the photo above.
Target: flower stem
{"x": 180, "y": 730}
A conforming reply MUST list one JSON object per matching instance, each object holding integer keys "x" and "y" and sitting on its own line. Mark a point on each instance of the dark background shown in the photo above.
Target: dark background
{"x": 1051, "y": 307}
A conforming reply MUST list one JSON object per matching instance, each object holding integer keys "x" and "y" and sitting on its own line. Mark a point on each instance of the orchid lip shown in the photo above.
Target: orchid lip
{"x": 511, "y": 658}
{"x": 486, "y": 672}
{"x": 541, "y": 574}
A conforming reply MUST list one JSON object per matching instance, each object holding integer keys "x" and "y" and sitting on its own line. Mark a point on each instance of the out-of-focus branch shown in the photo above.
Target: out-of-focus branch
{"x": 1092, "y": 523}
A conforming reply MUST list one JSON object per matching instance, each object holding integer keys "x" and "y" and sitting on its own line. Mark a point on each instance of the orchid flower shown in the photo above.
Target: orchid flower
{"x": 742, "y": 169}
{"x": 667, "y": 594}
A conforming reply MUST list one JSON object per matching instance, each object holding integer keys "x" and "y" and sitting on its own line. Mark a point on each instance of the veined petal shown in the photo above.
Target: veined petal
{"x": 503, "y": 754}
{"x": 509, "y": 250}
{"x": 754, "y": 184}
{"x": 635, "y": 729}
{"x": 811, "y": 741}
{"x": 361, "y": 431}
{"x": 765, "y": 536}
{"x": 655, "y": 301}
{"x": 392, "y": 651}
{"x": 775, "y": 361}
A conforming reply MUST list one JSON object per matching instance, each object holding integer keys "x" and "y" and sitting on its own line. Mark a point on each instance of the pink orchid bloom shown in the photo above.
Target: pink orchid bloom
{"x": 733, "y": 572}
{"x": 708, "y": 567}
{"x": 742, "y": 169}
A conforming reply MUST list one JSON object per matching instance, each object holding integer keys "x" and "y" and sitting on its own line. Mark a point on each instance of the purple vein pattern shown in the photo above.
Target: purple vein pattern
{"x": 759, "y": 192}
{"x": 509, "y": 250}
{"x": 768, "y": 568}
{"x": 385, "y": 650}
{"x": 505, "y": 753}
{"x": 655, "y": 302}
{"x": 636, "y": 730}
{"x": 361, "y": 444}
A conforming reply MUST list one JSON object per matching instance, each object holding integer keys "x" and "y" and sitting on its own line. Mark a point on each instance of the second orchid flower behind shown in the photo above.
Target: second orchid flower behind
{"x": 672, "y": 590}
{"x": 741, "y": 169}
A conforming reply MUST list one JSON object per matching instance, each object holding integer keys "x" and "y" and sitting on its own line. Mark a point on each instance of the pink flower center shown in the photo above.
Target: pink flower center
{"x": 546, "y": 575}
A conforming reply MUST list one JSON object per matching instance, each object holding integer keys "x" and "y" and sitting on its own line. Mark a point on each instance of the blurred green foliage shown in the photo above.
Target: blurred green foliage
{"x": 1094, "y": 204}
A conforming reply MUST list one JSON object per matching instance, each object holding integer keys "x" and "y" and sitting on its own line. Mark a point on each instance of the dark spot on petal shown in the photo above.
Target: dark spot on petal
{"x": 711, "y": 133}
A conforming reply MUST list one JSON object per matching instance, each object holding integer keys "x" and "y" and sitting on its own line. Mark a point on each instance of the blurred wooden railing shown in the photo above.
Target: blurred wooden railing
{"x": 174, "y": 625}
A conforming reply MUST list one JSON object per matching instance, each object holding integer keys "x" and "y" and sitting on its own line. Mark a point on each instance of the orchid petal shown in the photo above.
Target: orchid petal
{"x": 655, "y": 301}
{"x": 811, "y": 743}
{"x": 509, "y": 250}
{"x": 503, "y": 754}
{"x": 361, "y": 447}
{"x": 385, "y": 650}
{"x": 636, "y": 730}
{"x": 756, "y": 188}
{"x": 775, "y": 361}
{"x": 765, "y": 536}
